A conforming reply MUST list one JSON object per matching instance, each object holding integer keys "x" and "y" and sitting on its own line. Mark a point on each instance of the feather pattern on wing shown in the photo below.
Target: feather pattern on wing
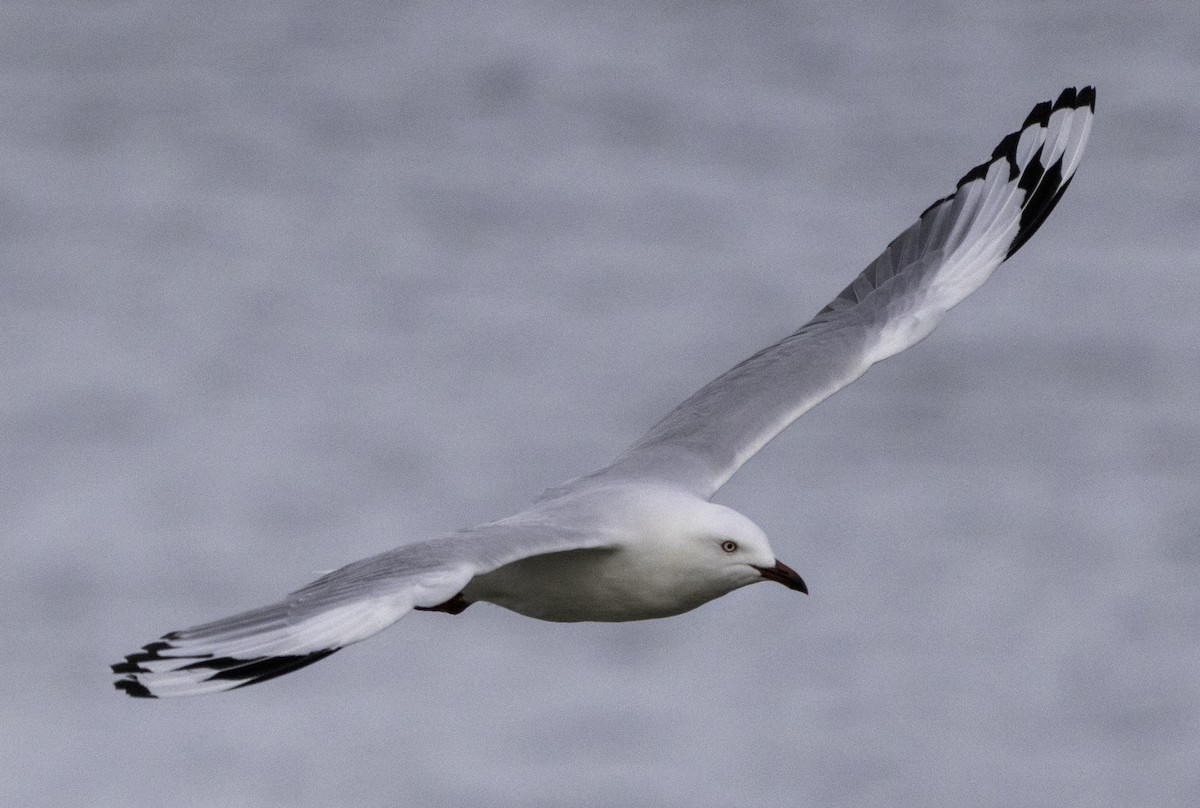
{"x": 343, "y": 607}
{"x": 953, "y": 247}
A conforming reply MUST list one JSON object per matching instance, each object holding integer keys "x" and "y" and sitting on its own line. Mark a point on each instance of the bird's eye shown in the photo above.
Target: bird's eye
{"x": 729, "y": 546}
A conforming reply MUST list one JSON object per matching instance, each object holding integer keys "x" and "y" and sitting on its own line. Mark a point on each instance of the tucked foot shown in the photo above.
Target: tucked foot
{"x": 456, "y": 605}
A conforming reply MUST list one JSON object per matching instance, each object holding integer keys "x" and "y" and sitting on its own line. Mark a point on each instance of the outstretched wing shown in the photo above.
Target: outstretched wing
{"x": 343, "y": 607}
{"x": 952, "y": 248}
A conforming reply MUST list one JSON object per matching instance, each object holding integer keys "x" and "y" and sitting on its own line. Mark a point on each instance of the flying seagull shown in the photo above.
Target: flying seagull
{"x": 639, "y": 538}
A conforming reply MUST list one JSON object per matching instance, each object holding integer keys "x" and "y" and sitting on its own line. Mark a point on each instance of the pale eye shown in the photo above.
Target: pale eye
{"x": 729, "y": 546}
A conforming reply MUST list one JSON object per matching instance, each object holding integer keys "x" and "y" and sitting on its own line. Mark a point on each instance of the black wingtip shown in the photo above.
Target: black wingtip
{"x": 937, "y": 202}
{"x": 1066, "y": 100}
{"x": 976, "y": 173}
{"x": 149, "y": 653}
{"x": 134, "y": 688}
{"x": 281, "y": 666}
{"x": 1087, "y": 96}
{"x": 1006, "y": 150}
{"x": 1040, "y": 114}
{"x": 1007, "y": 147}
{"x": 1071, "y": 98}
{"x": 1045, "y": 198}
{"x": 261, "y": 669}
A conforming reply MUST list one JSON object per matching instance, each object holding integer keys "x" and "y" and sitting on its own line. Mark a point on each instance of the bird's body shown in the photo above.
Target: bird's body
{"x": 645, "y": 567}
{"x": 639, "y": 538}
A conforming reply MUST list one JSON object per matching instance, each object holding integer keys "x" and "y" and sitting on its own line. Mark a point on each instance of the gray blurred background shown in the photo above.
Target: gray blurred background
{"x": 285, "y": 284}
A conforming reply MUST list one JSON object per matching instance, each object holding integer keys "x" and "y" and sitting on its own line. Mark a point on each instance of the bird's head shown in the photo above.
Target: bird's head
{"x": 704, "y": 546}
{"x": 739, "y": 549}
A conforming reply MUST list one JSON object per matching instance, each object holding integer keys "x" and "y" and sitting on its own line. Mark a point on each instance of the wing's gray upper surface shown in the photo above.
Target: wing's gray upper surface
{"x": 343, "y": 607}
{"x": 895, "y": 302}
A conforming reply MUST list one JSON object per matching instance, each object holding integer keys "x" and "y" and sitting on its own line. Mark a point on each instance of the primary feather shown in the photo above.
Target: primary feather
{"x": 343, "y": 607}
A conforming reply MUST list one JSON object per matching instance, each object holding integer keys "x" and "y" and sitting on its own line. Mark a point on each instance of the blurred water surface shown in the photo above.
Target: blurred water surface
{"x": 284, "y": 284}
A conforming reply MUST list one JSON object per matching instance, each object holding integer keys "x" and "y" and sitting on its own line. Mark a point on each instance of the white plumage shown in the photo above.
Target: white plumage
{"x": 639, "y": 539}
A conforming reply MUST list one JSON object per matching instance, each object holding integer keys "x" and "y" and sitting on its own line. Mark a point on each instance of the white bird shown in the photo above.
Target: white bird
{"x": 639, "y": 538}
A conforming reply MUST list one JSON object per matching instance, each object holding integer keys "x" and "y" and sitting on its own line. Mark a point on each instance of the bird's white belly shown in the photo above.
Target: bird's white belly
{"x": 597, "y": 585}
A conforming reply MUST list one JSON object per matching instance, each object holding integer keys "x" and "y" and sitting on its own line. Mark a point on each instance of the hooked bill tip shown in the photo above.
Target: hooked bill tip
{"x": 783, "y": 574}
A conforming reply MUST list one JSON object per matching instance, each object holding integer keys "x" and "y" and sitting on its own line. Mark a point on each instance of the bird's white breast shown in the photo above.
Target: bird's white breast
{"x": 601, "y": 585}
